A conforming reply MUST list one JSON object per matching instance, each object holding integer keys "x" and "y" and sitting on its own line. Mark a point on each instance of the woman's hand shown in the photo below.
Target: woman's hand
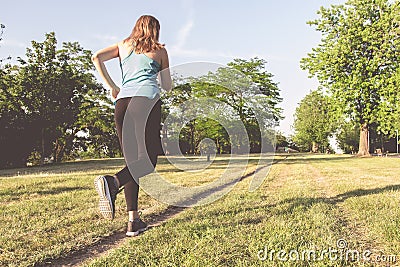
{"x": 115, "y": 91}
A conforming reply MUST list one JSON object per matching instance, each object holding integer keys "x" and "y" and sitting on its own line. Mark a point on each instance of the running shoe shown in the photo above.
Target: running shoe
{"x": 106, "y": 187}
{"x": 135, "y": 227}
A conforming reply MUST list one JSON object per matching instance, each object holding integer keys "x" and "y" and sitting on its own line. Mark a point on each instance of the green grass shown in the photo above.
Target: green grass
{"x": 307, "y": 202}
{"x": 52, "y": 210}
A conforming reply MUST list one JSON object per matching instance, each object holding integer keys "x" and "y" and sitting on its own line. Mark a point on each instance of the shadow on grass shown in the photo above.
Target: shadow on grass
{"x": 16, "y": 196}
{"x": 110, "y": 242}
{"x": 314, "y": 158}
{"x": 59, "y": 190}
{"x": 285, "y": 207}
{"x": 96, "y": 165}
{"x": 295, "y": 203}
{"x": 66, "y": 167}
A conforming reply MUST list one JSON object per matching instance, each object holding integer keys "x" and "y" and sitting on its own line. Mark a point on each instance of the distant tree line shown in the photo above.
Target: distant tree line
{"x": 52, "y": 108}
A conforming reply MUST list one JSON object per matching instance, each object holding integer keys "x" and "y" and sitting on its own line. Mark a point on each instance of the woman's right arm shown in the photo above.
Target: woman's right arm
{"x": 165, "y": 75}
{"x": 99, "y": 58}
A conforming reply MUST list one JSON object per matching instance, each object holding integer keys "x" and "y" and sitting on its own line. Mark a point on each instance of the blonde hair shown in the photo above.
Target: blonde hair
{"x": 144, "y": 36}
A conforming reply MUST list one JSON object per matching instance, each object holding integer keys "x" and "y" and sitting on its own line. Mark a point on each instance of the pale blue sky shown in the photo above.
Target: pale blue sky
{"x": 212, "y": 31}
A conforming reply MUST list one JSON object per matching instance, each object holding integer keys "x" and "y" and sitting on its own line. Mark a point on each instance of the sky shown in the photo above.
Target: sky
{"x": 193, "y": 31}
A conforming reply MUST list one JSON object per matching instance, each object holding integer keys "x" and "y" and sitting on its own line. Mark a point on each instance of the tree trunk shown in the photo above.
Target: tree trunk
{"x": 60, "y": 153}
{"x": 43, "y": 151}
{"x": 363, "y": 149}
{"x": 165, "y": 138}
{"x": 192, "y": 137}
{"x": 315, "y": 147}
{"x": 55, "y": 149}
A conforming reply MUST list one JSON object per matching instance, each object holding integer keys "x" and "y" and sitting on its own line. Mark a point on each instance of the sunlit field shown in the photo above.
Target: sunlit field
{"x": 306, "y": 203}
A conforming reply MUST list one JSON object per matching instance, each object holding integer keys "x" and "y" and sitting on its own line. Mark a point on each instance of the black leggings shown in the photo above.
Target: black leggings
{"x": 142, "y": 135}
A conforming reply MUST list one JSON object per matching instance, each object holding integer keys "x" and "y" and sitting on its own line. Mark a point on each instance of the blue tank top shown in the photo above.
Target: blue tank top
{"x": 139, "y": 76}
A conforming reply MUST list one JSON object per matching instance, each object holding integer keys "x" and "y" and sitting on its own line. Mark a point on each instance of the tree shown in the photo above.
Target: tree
{"x": 348, "y": 137}
{"x": 244, "y": 94}
{"x": 313, "y": 122}
{"x": 247, "y": 87}
{"x": 17, "y": 138}
{"x": 357, "y": 60}
{"x": 54, "y": 85}
{"x": 281, "y": 140}
{"x": 173, "y": 99}
{"x": 48, "y": 99}
{"x": 255, "y": 69}
{"x": 96, "y": 120}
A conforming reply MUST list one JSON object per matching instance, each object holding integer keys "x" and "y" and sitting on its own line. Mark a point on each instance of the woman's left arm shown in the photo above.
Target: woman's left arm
{"x": 99, "y": 58}
{"x": 165, "y": 76}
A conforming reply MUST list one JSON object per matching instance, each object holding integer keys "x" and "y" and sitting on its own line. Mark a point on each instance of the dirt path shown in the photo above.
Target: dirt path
{"x": 107, "y": 244}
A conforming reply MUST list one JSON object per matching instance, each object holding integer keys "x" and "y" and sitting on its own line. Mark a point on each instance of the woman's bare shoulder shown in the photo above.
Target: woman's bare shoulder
{"x": 124, "y": 48}
{"x": 162, "y": 53}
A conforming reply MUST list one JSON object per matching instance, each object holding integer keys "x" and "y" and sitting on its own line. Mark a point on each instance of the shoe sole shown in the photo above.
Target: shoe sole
{"x": 136, "y": 233}
{"x": 105, "y": 203}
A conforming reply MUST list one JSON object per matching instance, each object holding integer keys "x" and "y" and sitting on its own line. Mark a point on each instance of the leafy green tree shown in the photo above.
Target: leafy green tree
{"x": 247, "y": 87}
{"x": 173, "y": 99}
{"x": 255, "y": 69}
{"x": 281, "y": 140}
{"x": 54, "y": 84}
{"x": 49, "y": 99}
{"x": 313, "y": 122}
{"x": 348, "y": 137}
{"x": 238, "y": 87}
{"x": 17, "y": 138}
{"x": 357, "y": 60}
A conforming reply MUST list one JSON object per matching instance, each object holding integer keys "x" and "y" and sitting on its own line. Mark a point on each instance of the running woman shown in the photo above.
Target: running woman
{"x": 142, "y": 59}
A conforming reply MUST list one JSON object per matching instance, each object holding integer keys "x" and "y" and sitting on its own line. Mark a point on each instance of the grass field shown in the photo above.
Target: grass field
{"x": 307, "y": 207}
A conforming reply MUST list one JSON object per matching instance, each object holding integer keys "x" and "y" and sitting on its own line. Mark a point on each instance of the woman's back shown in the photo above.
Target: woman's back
{"x": 139, "y": 71}
{"x": 139, "y": 76}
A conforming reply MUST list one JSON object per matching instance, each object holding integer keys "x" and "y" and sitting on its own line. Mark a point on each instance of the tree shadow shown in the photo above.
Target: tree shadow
{"x": 64, "y": 189}
{"x": 319, "y": 158}
{"x": 15, "y": 196}
{"x": 309, "y": 202}
{"x": 66, "y": 167}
